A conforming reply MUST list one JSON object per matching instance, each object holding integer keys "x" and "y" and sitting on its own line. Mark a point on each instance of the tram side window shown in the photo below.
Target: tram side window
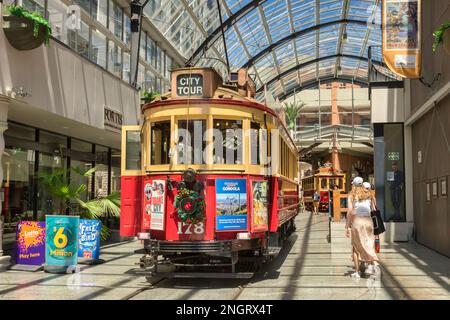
{"x": 228, "y": 142}
{"x": 190, "y": 145}
{"x": 160, "y": 135}
{"x": 254, "y": 142}
{"x": 133, "y": 150}
{"x": 323, "y": 184}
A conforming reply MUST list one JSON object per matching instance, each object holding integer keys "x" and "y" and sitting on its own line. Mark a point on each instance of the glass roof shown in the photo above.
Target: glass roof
{"x": 286, "y": 44}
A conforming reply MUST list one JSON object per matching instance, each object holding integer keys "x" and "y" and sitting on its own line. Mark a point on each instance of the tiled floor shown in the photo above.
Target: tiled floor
{"x": 308, "y": 267}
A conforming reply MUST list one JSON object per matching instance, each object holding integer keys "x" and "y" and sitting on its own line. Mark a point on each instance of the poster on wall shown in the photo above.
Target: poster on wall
{"x": 89, "y": 239}
{"x": 231, "y": 204}
{"x": 401, "y": 29}
{"x": 157, "y": 206}
{"x": 260, "y": 210}
{"x": 30, "y": 243}
{"x": 61, "y": 242}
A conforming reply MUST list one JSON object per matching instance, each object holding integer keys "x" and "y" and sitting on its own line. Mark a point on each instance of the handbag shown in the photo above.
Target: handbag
{"x": 378, "y": 224}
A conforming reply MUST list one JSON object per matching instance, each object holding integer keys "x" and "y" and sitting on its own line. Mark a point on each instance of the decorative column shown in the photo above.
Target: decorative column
{"x": 4, "y": 102}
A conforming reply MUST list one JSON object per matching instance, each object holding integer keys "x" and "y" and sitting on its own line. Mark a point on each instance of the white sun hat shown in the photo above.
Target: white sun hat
{"x": 358, "y": 181}
{"x": 367, "y": 185}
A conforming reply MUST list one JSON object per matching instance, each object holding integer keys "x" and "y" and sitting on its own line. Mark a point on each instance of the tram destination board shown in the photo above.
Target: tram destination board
{"x": 190, "y": 85}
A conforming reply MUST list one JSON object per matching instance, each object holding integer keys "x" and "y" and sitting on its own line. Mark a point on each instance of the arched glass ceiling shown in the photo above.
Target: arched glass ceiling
{"x": 286, "y": 44}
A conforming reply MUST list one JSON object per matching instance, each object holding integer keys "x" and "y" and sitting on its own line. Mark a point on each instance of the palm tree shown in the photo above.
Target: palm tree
{"x": 70, "y": 196}
{"x": 292, "y": 111}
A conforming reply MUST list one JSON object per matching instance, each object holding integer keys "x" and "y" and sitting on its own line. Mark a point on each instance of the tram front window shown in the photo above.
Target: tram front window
{"x": 254, "y": 142}
{"x": 190, "y": 145}
{"x": 228, "y": 142}
{"x": 160, "y": 135}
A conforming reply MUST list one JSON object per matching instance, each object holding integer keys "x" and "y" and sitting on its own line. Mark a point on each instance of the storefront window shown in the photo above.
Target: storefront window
{"x": 143, "y": 45}
{"x": 149, "y": 81}
{"x": 81, "y": 159}
{"x": 78, "y": 40}
{"x": 101, "y": 173}
{"x": 127, "y": 30}
{"x": 115, "y": 19}
{"x": 160, "y": 135}
{"x": 228, "y": 141}
{"x": 98, "y": 48}
{"x": 57, "y": 18}
{"x": 114, "y": 59}
{"x": 100, "y": 11}
{"x": 126, "y": 67}
{"x": 115, "y": 170}
{"x": 34, "y": 5}
{"x": 389, "y": 170}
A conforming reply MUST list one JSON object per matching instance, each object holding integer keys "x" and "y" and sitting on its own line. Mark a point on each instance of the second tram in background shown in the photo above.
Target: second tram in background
{"x": 324, "y": 180}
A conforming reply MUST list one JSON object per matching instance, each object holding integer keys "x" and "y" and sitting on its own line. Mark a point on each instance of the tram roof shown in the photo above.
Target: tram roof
{"x": 288, "y": 45}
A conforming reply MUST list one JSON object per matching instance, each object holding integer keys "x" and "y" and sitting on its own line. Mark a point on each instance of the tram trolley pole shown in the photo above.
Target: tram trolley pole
{"x": 330, "y": 211}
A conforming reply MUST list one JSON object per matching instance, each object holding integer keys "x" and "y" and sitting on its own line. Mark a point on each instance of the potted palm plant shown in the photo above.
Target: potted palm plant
{"x": 25, "y": 30}
{"x": 291, "y": 112}
{"x": 442, "y": 36}
{"x": 149, "y": 95}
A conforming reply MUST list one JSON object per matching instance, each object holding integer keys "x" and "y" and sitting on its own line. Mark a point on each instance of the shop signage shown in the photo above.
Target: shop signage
{"x": 402, "y": 23}
{"x": 190, "y": 85}
{"x": 112, "y": 120}
{"x": 393, "y": 156}
{"x": 89, "y": 239}
{"x": 260, "y": 213}
{"x": 30, "y": 243}
{"x": 157, "y": 207}
{"x": 61, "y": 243}
{"x": 231, "y": 204}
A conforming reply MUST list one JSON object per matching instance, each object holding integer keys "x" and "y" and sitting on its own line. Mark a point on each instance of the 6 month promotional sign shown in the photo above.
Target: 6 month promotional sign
{"x": 157, "y": 205}
{"x": 231, "y": 204}
{"x": 61, "y": 245}
{"x": 89, "y": 239}
{"x": 30, "y": 243}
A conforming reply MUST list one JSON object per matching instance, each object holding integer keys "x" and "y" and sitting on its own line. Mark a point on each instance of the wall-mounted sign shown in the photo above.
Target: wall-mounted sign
{"x": 402, "y": 25}
{"x": 157, "y": 208}
{"x": 61, "y": 242}
{"x": 112, "y": 120}
{"x": 393, "y": 156}
{"x": 89, "y": 239}
{"x": 190, "y": 85}
{"x": 30, "y": 243}
{"x": 231, "y": 204}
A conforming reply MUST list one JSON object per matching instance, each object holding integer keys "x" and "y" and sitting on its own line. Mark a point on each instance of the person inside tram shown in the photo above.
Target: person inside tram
{"x": 359, "y": 227}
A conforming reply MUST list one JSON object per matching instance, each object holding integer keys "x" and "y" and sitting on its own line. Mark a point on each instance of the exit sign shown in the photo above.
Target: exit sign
{"x": 393, "y": 156}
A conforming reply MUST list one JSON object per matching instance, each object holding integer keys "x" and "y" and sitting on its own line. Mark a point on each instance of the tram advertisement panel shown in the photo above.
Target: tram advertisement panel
{"x": 260, "y": 212}
{"x": 89, "y": 239}
{"x": 61, "y": 243}
{"x": 30, "y": 243}
{"x": 402, "y": 36}
{"x": 157, "y": 205}
{"x": 231, "y": 204}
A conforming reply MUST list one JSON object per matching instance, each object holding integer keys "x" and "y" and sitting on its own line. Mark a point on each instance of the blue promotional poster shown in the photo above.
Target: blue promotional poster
{"x": 89, "y": 239}
{"x": 61, "y": 245}
{"x": 231, "y": 204}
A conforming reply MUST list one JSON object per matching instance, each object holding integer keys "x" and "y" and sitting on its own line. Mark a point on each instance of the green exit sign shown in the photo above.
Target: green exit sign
{"x": 393, "y": 156}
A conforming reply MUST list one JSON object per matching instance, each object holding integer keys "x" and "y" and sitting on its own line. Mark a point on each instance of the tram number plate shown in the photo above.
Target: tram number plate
{"x": 186, "y": 228}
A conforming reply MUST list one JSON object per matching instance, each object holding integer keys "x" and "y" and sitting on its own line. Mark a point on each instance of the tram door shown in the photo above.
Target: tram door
{"x": 131, "y": 181}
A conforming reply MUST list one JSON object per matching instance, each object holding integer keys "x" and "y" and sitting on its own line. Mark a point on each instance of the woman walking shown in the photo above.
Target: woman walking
{"x": 360, "y": 226}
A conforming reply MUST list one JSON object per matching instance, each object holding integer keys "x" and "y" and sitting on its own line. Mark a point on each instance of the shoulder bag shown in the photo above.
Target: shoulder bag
{"x": 378, "y": 224}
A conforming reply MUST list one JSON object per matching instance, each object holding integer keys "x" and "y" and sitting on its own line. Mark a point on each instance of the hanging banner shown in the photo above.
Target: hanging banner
{"x": 30, "y": 243}
{"x": 231, "y": 204}
{"x": 157, "y": 206}
{"x": 61, "y": 243}
{"x": 402, "y": 24}
{"x": 260, "y": 206}
{"x": 89, "y": 239}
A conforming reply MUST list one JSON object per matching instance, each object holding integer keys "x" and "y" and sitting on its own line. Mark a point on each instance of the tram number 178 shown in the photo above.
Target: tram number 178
{"x": 185, "y": 228}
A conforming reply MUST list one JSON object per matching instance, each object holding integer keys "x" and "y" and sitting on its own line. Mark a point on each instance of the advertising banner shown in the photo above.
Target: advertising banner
{"x": 402, "y": 23}
{"x": 157, "y": 204}
{"x": 61, "y": 243}
{"x": 260, "y": 210}
{"x": 231, "y": 204}
{"x": 30, "y": 243}
{"x": 89, "y": 239}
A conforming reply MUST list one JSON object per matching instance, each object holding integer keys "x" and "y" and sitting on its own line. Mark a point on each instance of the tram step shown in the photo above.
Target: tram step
{"x": 216, "y": 275}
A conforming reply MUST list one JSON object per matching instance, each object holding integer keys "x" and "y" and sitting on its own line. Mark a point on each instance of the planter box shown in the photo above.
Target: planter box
{"x": 20, "y": 33}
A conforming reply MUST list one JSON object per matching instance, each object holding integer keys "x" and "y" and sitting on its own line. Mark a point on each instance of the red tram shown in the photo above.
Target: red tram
{"x": 197, "y": 183}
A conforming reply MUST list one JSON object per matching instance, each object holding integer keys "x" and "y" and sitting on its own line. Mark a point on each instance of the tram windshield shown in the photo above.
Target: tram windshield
{"x": 228, "y": 141}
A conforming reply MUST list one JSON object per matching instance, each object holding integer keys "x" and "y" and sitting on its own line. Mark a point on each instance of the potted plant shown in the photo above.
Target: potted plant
{"x": 149, "y": 95}
{"x": 442, "y": 36}
{"x": 25, "y": 30}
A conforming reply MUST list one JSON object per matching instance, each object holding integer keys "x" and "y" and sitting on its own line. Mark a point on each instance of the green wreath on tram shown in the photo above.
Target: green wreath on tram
{"x": 191, "y": 206}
